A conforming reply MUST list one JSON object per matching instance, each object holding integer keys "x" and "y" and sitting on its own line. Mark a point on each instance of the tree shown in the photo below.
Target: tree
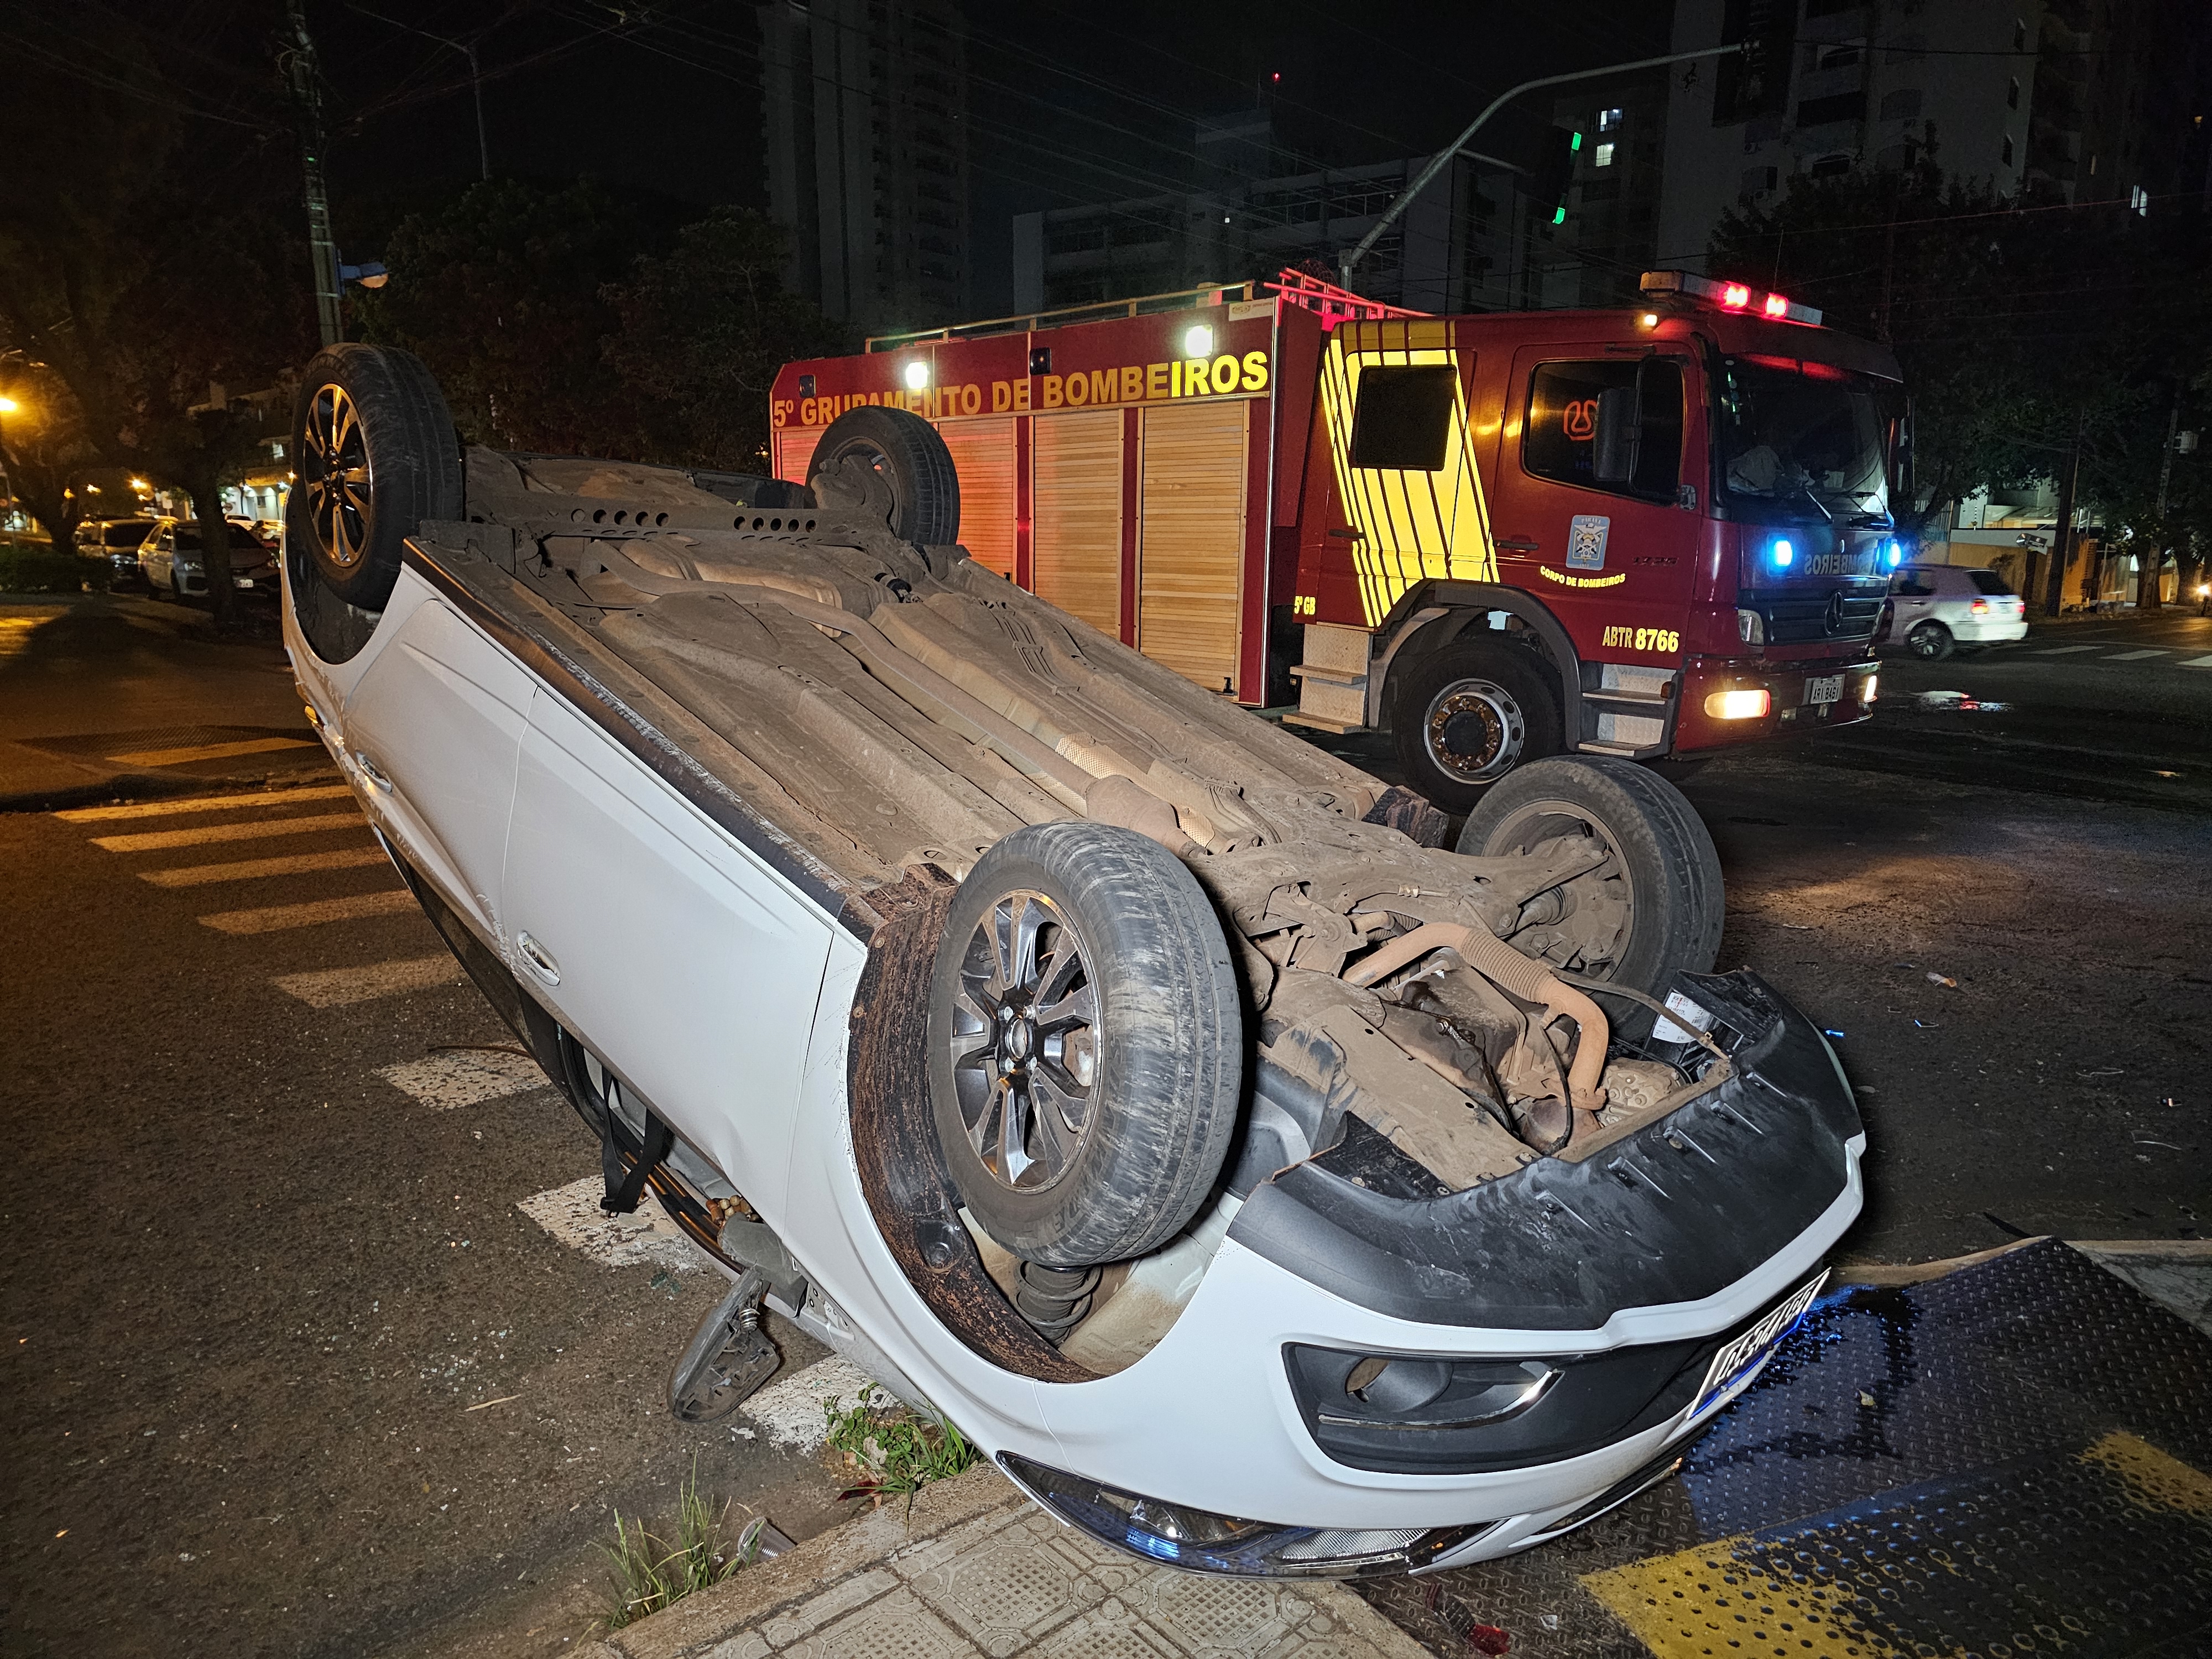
{"x": 147, "y": 259}
{"x": 2018, "y": 324}
{"x": 42, "y": 446}
{"x": 702, "y": 332}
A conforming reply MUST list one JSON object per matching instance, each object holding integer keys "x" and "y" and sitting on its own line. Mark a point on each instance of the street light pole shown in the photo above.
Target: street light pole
{"x": 1443, "y": 158}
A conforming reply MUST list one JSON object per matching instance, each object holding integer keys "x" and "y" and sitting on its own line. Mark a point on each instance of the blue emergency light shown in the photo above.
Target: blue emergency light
{"x": 1781, "y": 553}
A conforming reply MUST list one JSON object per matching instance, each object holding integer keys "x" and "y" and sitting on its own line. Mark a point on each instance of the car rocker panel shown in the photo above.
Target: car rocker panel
{"x": 846, "y": 891}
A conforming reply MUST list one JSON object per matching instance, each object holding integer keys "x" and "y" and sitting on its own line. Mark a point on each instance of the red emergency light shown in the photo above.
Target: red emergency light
{"x": 1730, "y": 296}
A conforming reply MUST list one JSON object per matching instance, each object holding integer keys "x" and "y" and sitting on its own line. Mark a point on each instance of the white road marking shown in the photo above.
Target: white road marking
{"x": 572, "y": 1214}
{"x": 162, "y": 809}
{"x": 2138, "y": 656}
{"x": 466, "y": 1077}
{"x": 207, "y": 751}
{"x": 198, "y": 875}
{"x": 341, "y": 988}
{"x": 274, "y": 918}
{"x": 2196, "y": 662}
{"x": 791, "y": 1410}
{"x": 2063, "y": 650}
{"x": 154, "y": 841}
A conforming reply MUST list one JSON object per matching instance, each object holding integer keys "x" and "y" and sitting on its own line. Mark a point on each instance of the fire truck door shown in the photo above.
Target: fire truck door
{"x": 1395, "y": 394}
{"x": 1613, "y": 559}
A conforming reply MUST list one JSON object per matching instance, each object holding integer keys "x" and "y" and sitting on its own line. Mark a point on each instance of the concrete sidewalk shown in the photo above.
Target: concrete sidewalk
{"x": 975, "y": 1571}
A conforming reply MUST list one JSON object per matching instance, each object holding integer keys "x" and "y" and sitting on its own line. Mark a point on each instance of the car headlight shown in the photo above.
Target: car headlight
{"x": 1201, "y": 1541}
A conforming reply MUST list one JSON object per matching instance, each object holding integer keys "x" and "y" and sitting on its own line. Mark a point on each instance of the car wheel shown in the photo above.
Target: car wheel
{"x": 1086, "y": 1048}
{"x": 377, "y": 455}
{"x": 895, "y": 451}
{"x": 1655, "y": 909}
{"x": 1930, "y": 641}
{"x": 1466, "y": 716}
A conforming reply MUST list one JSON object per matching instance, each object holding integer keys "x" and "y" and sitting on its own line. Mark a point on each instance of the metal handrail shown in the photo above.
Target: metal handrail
{"x": 1029, "y": 321}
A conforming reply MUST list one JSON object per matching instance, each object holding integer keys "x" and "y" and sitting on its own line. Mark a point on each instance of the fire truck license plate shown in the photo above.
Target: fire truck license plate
{"x": 1735, "y": 1364}
{"x": 1824, "y": 688}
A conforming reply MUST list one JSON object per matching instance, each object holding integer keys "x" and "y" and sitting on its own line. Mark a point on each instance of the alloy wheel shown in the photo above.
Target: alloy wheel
{"x": 334, "y": 468}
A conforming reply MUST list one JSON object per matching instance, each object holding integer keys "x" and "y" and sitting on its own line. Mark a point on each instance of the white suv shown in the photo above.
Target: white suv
{"x": 1933, "y": 609}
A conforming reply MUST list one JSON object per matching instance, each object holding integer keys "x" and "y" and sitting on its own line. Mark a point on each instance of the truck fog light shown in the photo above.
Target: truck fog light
{"x": 1866, "y": 691}
{"x": 1205, "y": 1542}
{"x": 1738, "y": 705}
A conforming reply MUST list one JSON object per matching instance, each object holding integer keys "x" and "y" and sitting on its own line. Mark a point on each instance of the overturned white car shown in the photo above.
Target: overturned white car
{"x": 1264, "y": 1187}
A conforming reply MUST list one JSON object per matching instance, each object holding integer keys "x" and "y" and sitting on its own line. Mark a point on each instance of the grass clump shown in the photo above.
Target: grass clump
{"x": 896, "y": 1451}
{"x": 652, "y": 1572}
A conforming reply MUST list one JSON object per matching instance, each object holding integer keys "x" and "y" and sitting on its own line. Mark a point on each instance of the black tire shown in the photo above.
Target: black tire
{"x": 1665, "y": 868}
{"x": 1465, "y": 716}
{"x": 1114, "y": 1166}
{"x": 905, "y": 452}
{"x": 376, "y": 455}
{"x": 1930, "y": 642}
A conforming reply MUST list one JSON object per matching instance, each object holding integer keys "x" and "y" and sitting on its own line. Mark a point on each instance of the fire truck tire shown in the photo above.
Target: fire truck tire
{"x": 1665, "y": 869}
{"x": 1085, "y": 1043}
{"x": 905, "y": 452}
{"x": 1465, "y": 716}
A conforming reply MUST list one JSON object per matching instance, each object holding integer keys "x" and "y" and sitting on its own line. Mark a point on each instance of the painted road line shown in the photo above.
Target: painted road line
{"x": 790, "y": 1410}
{"x": 208, "y": 751}
{"x": 276, "y": 918}
{"x": 2063, "y": 650}
{"x": 2138, "y": 656}
{"x": 162, "y": 809}
{"x": 154, "y": 841}
{"x": 341, "y": 988}
{"x": 198, "y": 875}
{"x": 467, "y": 1076}
{"x": 2196, "y": 662}
{"x": 572, "y": 1214}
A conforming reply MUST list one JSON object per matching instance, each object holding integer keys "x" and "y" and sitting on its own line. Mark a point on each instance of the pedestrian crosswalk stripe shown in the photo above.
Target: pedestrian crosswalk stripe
{"x": 198, "y": 875}
{"x": 341, "y": 988}
{"x": 2063, "y": 650}
{"x": 162, "y": 809}
{"x": 790, "y": 1409}
{"x": 276, "y": 918}
{"x": 2196, "y": 662}
{"x": 2138, "y": 656}
{"x": 154, "y": 841}
{"x": 208, "y": 751}
{"x": 572, "y": 1214}
{"x": 466, "y": 1077}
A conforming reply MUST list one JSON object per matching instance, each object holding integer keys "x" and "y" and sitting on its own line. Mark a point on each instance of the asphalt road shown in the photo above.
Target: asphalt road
{"x": 296, "y": 1375}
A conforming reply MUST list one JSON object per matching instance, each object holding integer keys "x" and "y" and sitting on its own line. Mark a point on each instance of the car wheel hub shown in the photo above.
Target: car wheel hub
{"x": 335, "y": 468}
{"x": 1475, "y": 730}
{"x": 1026, "y": 1041}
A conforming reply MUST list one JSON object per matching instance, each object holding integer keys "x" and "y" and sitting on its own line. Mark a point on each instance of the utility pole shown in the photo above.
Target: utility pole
{"x": 306, "y": 83}
{"x": 1443, "y": 158}
{"x": 2062, "y": 544}
{"x": 467, "y": 49}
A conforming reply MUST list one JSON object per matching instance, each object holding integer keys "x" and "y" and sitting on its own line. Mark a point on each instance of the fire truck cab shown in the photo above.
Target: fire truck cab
{"x": 1646, "y": 533}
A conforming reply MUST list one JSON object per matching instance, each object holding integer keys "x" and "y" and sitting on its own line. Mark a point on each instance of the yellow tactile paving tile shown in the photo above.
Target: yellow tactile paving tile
{"x": 1719, "y": 1600}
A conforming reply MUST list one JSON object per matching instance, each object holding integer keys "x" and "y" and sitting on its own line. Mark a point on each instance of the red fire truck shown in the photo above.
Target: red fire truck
{"x": 1648, "y": 533}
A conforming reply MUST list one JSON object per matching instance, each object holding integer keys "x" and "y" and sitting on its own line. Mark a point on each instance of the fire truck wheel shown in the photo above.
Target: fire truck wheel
{"x": 1657, "y": 908}
{"x": 1468, "y": 714}
{"x": 1085, "y": 1043}
{"x": 904, "y": 452}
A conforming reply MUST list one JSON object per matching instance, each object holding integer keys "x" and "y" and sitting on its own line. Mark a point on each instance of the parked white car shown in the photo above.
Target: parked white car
{"x": 171, "y": 562}
{"x": 1935, "y": 609}
{"x": 1258, "y": 1182}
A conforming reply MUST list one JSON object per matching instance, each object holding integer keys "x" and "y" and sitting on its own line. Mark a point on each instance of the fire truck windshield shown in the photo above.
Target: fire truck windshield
{"x": 1804, "y": 442}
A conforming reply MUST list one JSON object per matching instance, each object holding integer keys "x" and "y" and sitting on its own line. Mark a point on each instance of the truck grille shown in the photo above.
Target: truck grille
{"x": 1838, "y": 614}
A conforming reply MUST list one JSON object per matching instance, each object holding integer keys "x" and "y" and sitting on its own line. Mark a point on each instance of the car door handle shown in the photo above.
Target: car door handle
{"x": 539, "y": 959}
{"x": 372, "y": 771}
{"x": 1518, "y": 544}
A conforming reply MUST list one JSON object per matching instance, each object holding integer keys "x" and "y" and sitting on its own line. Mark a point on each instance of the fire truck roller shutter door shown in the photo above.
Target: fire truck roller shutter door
{"x": 1190, "y": 556}
{"x": 1075, "y": 507}
{"x": 983, "y": 456}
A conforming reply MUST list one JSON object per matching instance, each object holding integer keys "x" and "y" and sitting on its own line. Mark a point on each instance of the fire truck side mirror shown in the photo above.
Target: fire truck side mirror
{"x": 1620, "y": 430}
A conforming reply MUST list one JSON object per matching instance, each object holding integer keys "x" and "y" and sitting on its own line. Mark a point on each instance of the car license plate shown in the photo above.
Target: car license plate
{"x": 1735, "y": 1365}
{"x": 1824, "y": 688}
{"x": 241, "y": 581}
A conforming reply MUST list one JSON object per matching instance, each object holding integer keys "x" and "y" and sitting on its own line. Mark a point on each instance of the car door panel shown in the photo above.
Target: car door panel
{"x": 434, "y": 725}
{"x": 678, "y": 956}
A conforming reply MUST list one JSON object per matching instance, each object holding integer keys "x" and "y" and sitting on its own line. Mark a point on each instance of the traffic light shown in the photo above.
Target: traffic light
{"x": 1555, "y": 170}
